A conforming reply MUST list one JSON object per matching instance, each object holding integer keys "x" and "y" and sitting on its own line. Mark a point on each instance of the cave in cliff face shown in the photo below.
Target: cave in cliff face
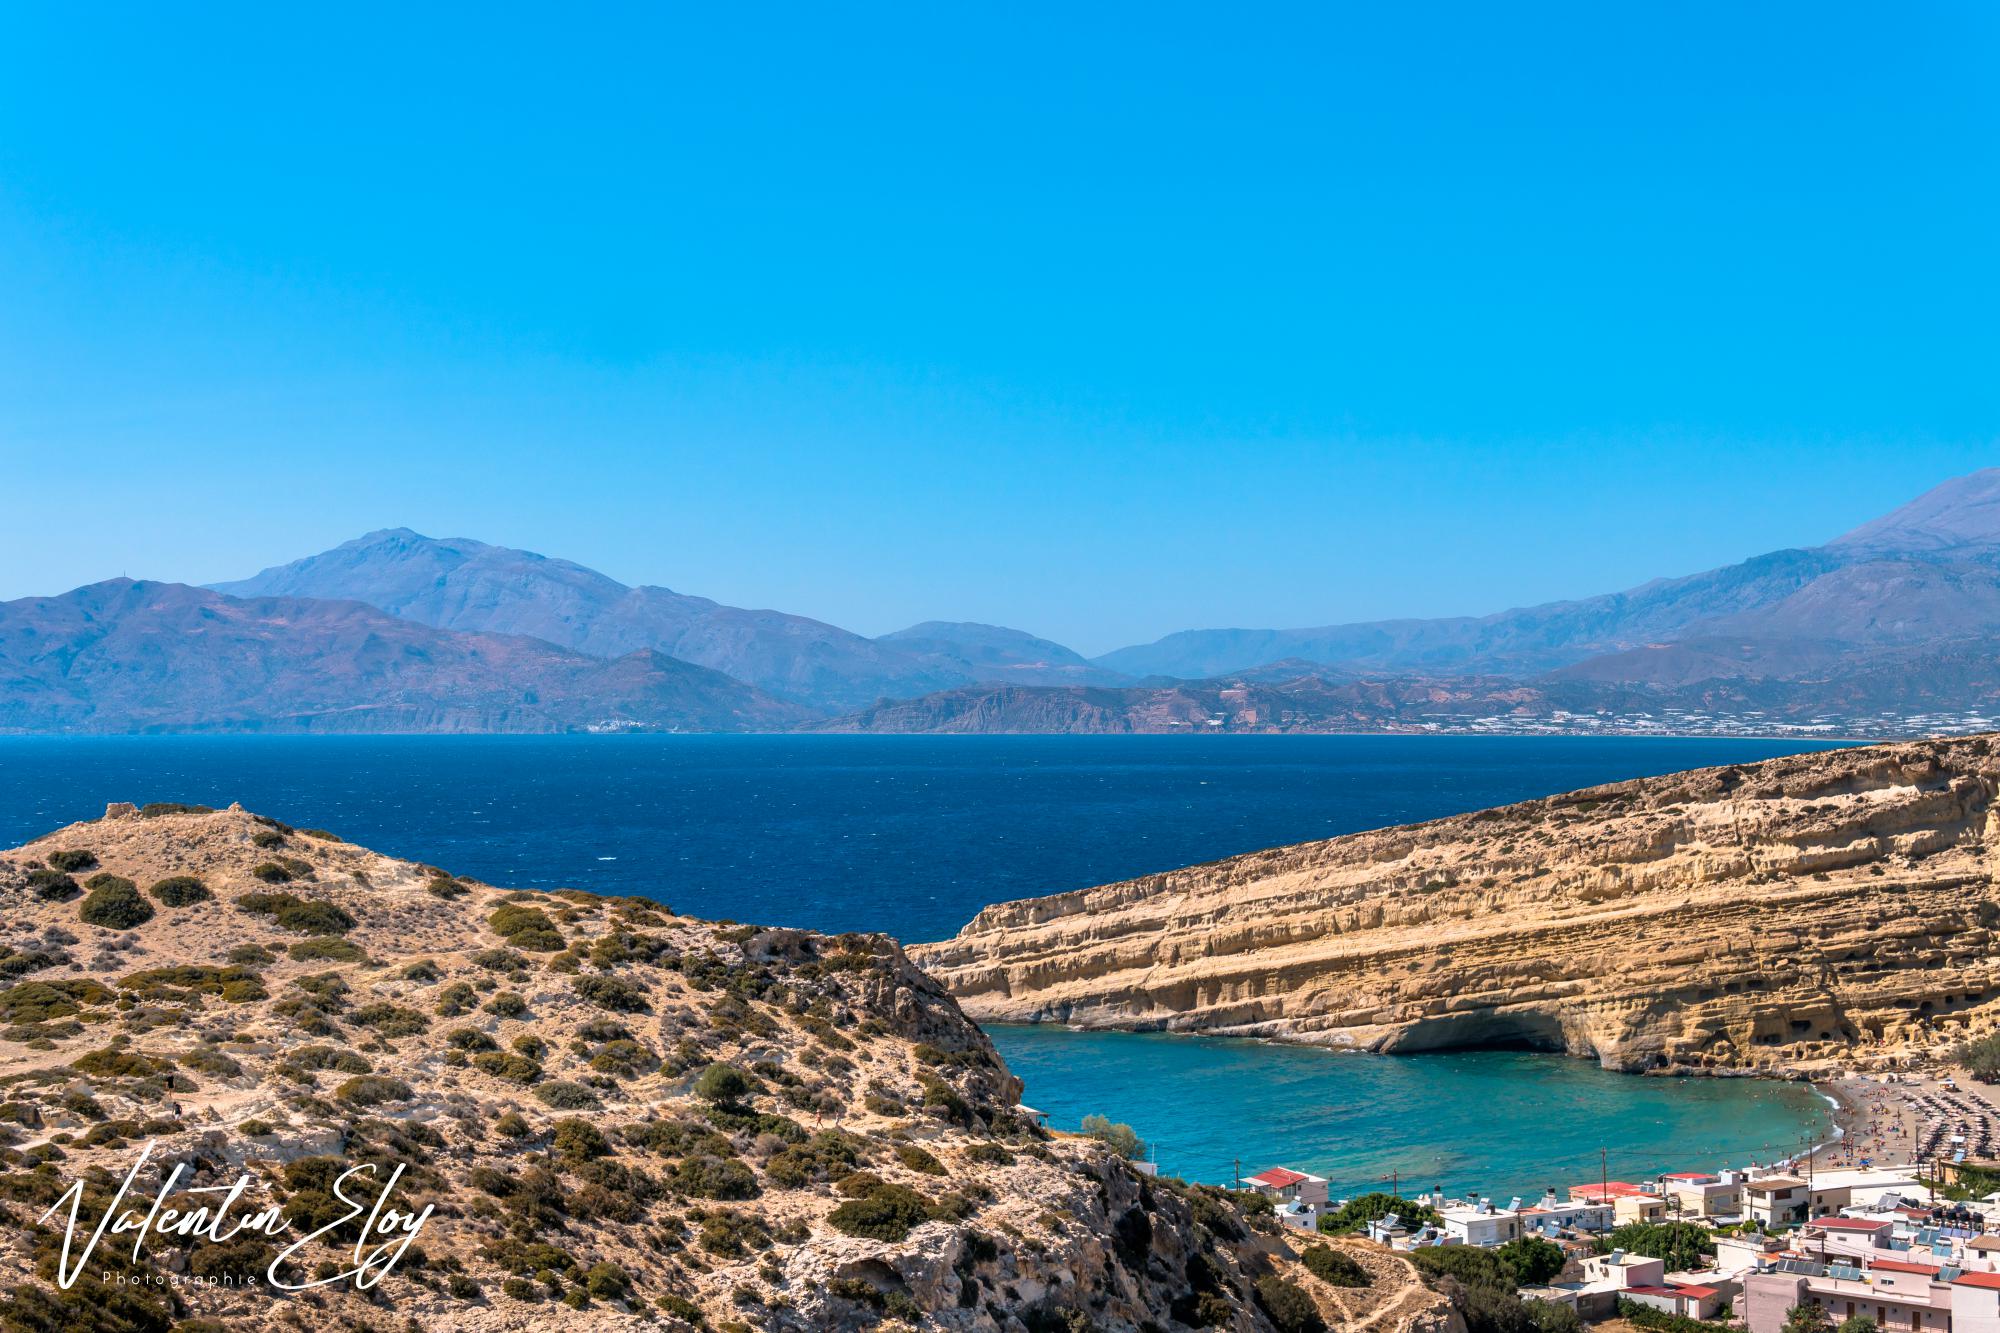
{"x": 1482, "y": 1031}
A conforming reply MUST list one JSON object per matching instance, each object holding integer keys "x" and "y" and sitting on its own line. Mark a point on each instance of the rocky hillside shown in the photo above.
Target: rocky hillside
{"x": 1798, "y": 913}
{"x": 618, "y": 1115}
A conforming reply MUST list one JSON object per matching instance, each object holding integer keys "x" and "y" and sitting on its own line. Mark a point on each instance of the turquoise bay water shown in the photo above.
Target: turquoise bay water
{"x": 1498, "y": 1123}
{"x": 913, "y": 835}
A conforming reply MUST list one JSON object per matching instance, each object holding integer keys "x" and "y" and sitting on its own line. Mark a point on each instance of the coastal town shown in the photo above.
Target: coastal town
{"x": 1893, "y": 1224}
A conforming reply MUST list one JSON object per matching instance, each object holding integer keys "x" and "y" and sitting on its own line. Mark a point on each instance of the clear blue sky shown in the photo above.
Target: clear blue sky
{"x": 1099, "y": 324}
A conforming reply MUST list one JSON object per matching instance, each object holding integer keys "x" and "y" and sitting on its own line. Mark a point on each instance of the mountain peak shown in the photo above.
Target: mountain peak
{"x": 1963, "y": 512}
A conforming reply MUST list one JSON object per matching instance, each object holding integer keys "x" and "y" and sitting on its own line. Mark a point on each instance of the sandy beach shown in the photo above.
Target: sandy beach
{"x": 1922, "y": 1116}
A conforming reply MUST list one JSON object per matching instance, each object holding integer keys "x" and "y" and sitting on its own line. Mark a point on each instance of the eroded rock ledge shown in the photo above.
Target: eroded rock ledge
{"x": 1801, "y": 912}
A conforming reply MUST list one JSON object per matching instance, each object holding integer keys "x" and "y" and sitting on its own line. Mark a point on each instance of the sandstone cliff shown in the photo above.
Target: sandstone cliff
{"x": 1802, "y": 912}
{"x": 254, "y": 998}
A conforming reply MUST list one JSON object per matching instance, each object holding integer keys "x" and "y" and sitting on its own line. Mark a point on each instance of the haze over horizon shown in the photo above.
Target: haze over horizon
{"x": 1095, "y": 328}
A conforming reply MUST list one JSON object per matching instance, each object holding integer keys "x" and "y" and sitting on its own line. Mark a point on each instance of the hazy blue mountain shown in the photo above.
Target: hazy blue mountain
{"x": 1962, "y": 515}
{"x": 127, "y": 656}
{"x": 1928, "y": 572}
{"x": 458, "y": 583}
{"x": 996, "y": 654}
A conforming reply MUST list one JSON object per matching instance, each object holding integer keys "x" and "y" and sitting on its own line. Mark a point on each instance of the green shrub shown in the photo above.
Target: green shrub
{"x": 1534, "y": 1260}
{"x": 1469, "y": 1264}
{"x": 306, "y": 916}
{"x": 607, "y": 1282}
{"x": 917, "y": 1159}
{"x": 52, "y": 886}
{"x": 1359, "y": 1211}
{"x": 316, "y": 1057}
{"x": 1120, "y": 1138}
{"x": 513, "y": 1068}
{"x": 155, "y": 809}
{"x": 1288, "y": 1307}
{"x": 208, "y": 1060}
{"x": 526, "y": 928}
{"x": 612, "y": 993}
{"x": 114, "y": 903}
{"x": 680, "y": 1307}
{"x": 180, "y": 891}
{"x": 886, "y": 1212}
{"x": 507, "y": 1004}
{"x": 470, "y": 1039}
{"x": 319, "y": 833}
{"x": 1648, "y": 1317}
{"x": 456, "y": 999}
{"x": 108, "y": 1062}
{"x": 72, "y": 861}
{"x": 271, "y": 873}
{"x": 1331, "y": 1266}
{"x": 373, "y": 1090}
{"x": 325, "y": 949}
{"x": 704, "y": 1176}
{"x": 41, "y": 1001}
{"x": 1683, "y": 1245}
{"x": 391, "y": 1020}
{"x": 724, "y": 1085}
{"x": 14, "y": 963}
{"x": 579, "y": 1140}
{"x": 731, "y": 1235}
{"x": 567, "y": 1096}
{"x": 174, "y": 983}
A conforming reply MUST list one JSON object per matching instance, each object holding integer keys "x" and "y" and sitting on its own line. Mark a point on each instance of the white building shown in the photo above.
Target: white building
{"x": 1553, "y": 1216}
{"x": 1621, "y": 1270}
{"x": 1480, "y": 1223}
{"x": 1704, "y": 1193}
{"x": 1283, "y": 1185}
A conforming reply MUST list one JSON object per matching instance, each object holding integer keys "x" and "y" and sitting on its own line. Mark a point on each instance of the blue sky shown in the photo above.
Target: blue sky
{"x": 1099, "y": 324}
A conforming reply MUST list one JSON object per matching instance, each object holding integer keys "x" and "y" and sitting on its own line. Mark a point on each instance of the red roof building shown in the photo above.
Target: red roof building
{"x": 1848, "y": 1224}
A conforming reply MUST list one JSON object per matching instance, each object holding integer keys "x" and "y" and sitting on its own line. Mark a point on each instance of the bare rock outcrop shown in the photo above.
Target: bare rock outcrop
{"x": 1823, "y": 909}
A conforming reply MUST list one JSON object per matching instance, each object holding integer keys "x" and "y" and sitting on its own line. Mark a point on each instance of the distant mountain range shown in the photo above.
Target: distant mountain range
{"x": 124, "y": 656}
{"x": 1930, "y": 571}
{"x": 1894, "y": 625}
{"x": 459, "y": 584}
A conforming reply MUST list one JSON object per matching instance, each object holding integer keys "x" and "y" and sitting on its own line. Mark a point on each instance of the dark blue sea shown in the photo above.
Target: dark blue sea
{"x": 913, "y": 835}
{"x": 906, "y": 834}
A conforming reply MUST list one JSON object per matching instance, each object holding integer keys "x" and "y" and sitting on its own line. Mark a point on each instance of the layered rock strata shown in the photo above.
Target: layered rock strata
{"x": 1822, "y": 909}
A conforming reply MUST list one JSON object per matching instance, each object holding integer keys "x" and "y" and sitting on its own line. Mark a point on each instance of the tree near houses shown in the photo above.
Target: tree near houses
{"x": 1533, "y": 1259}
{"x": 1807, "y": 1319}
{"x": 1362, "y": 1209}
{"x": 1120, "y": 1138}
{"x": 1683, "y": 1245}
{"x": 1982, "y": 1057}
